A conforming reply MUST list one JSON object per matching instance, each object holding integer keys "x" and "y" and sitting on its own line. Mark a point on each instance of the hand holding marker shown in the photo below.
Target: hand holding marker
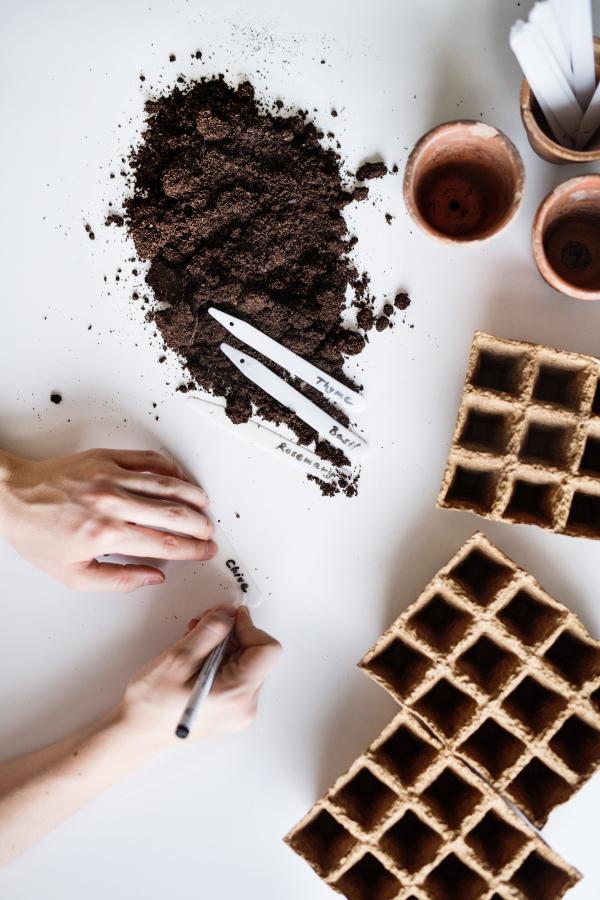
{"x": 246, "y": 591}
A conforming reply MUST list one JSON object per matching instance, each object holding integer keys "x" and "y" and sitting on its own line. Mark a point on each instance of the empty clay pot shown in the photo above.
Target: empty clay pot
{"x": 566, "y": 238}
{"x": 464, "y": 182}
{"x": 540, "y": 134}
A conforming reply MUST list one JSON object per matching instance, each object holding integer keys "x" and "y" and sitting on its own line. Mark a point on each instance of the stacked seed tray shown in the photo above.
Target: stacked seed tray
{"x": 500, "y": 688}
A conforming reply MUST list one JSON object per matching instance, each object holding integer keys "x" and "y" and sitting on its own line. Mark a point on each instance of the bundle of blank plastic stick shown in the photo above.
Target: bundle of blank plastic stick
{"x": 555, "y": 49}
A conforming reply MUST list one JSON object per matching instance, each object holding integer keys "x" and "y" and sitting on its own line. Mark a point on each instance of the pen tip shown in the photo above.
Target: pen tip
{"x": 182, "y": 731}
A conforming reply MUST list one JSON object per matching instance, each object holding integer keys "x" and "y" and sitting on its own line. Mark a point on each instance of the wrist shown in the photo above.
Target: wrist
{"x": 142, "y": 733}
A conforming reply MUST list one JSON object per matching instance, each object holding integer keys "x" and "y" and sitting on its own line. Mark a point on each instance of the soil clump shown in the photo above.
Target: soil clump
{"x": 239, "y": 209}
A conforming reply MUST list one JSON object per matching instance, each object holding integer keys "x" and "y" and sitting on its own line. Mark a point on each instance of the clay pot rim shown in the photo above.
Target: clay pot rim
{"x": 412, "y": 208}
{"x": 551, "y": 147}
{"x": 549, "y": 274}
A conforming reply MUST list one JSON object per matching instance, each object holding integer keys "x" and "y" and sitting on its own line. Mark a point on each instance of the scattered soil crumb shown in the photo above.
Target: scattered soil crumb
{"x": 371, "y": 170}
{"x": 364, "y": 319}
{"x": 114, "y": 219}
{"x": 347, "y": 486}
{"x": 388, "y": 218}
{"x": 402, "y": 300}
{"x": 56, "y": 398}
{"x": 382, "y": 323}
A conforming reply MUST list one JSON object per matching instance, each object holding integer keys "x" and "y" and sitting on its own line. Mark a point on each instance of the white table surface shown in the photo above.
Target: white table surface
{"x": 207, "y": 821}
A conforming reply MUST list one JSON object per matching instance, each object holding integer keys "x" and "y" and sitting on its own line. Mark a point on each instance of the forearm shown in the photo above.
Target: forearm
{"x": 42, "y": 789}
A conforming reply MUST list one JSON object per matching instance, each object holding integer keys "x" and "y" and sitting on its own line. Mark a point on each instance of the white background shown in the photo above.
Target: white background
{"x": 208, "y": 821}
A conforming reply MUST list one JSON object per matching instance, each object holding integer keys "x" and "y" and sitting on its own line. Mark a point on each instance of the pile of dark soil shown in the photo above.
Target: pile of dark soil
{"x": 240, "y": 209}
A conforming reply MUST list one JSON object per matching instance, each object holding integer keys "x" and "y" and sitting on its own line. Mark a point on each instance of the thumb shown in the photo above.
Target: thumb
{"x": 97, "y": 576}
{"x": 260, "y": 651}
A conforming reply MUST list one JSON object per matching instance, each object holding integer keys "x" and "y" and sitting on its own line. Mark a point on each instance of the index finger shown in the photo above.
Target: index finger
{"x": 149, "y": 461}
{"x": 191, "y": 650}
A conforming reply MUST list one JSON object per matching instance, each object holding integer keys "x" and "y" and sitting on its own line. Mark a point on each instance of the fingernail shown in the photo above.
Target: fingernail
{"x": 211, "y": 549}
{"x": 226, "y": 608}
{"x": 244, "y": 610}
{"x": 153, "y": 579}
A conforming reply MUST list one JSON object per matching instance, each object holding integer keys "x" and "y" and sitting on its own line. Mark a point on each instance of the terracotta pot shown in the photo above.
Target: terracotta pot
{"x": 566, "y": 238}
{"x": 540, "y": 135}
{"x": 464, "y": 182}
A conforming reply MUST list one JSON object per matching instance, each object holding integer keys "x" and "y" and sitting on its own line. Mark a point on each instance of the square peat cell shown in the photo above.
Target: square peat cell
{"x": 584, "y": 515}
{"x": 446, "y": 707}
{"x": 439, "y": 623}
{"x": 578, "y": 745}
{"x": 537, "y": 790}
{"x": 547, "y": 444}
{"x": 323, "y": 842}
{"x": 480, "y": 576}
{"x": 534, "y": 705}
{"x": 365, "y": 799}
{"x": 474, "y": 488}
{"x": 492, "y": 748}
{"x": 368, "y": 879}
{"x": 596, "y": 401}
{"x": 539, "y": 879}
{"x": 498, "y": 372}
{"x": 405, "y": 755}
{"x": 495, "y": 842}
{"x": 487, "y": 664}
{"x": 485, "y": 431}
{"x": 528, "y": 618}
{"x": 576, "y": 660}
{"x": 453, "y": 880}
{"x": 530, "y": 503}
{"x": 400, "y": 666}
{"x": 411, "y": 843}
{"x": 590, "y": 461}
{"x": 558, "y": 386}
{"x": 451, "y": 798}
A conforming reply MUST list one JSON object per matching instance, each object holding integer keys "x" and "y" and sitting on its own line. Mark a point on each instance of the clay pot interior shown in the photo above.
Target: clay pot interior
{"x": 572, "y": 248}
{"x": 566, "y": 237}
{"x": 464, "y": 181}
